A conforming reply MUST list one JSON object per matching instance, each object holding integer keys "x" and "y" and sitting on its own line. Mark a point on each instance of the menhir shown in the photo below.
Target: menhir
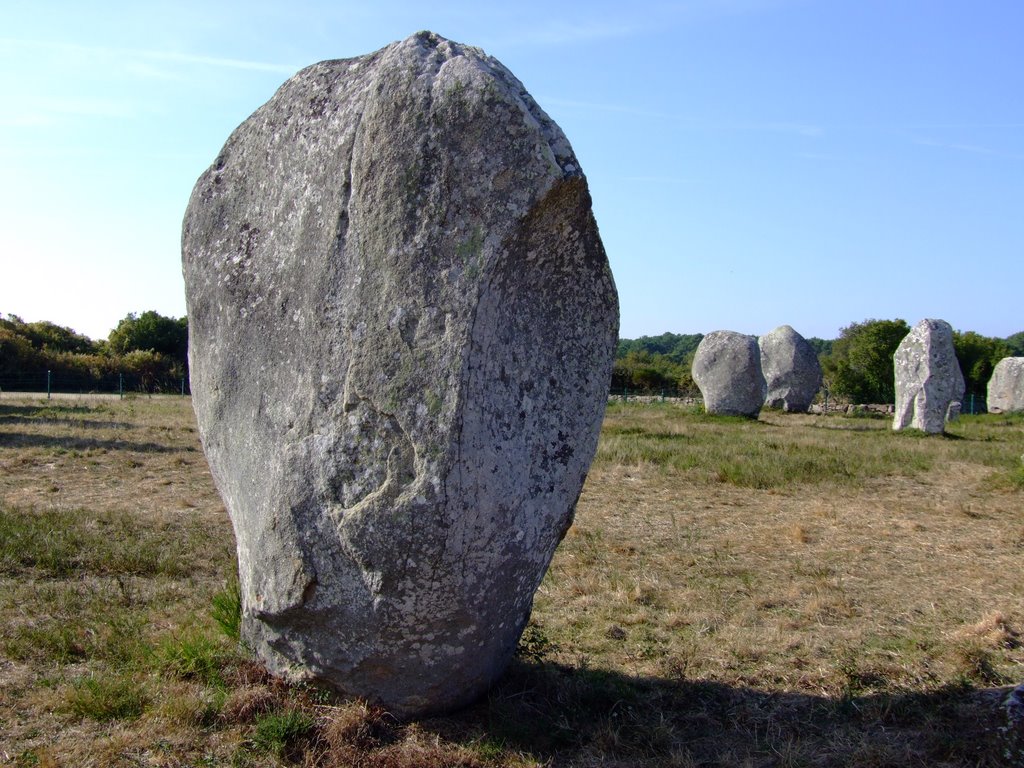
{"x": 402, "y": 325}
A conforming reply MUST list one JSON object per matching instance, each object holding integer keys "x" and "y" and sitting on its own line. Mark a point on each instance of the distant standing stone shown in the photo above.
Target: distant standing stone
{"x": 727, "y": 368}
{"x": 928, "y": 377}
{"x": 1006, "y": 387}
{"x": 791, "y": 370}
{"x": 402, "y": 327}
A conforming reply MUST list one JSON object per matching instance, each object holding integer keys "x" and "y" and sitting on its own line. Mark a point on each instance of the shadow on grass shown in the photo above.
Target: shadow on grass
{"x": 22, "y": 440}
{"x": 910, "y": 433}
{"x": 41, "y": 410}
{"x": 82, "y": 423}
{"x": 579, "y": 716}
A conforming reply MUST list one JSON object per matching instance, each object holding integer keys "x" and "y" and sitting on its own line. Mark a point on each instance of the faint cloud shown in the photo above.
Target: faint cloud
{"x": 146, "y": 71}
{"x": 974, "y": 149}
{"x": 594, "y": 106}
{"x": 807, "y": 130}
{"x": 617, "y": 21}
{"x": 66, "y": 152}
{"x": 557, "y": 32}
{"x": 215, "y": 61}
{"x": 35, "y": 153}
{"x": 129, "y": 55}
{"x": 27, "y": 120}
{"x": 970, "y": 126}
{"x": 38, "y": 113}
{"x": 658, "y": 179}
{"x": 88, "y": 108}
{"x": 569, "y": 33}
{"x": 800, "y": 129}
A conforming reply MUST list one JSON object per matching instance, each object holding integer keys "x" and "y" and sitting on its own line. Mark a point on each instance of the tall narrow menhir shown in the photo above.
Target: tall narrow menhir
{"x": 928, "y": 378}
{"x": 402, "y": 325}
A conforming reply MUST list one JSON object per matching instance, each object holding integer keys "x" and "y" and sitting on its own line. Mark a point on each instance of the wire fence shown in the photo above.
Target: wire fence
{"x": 973, "y": 404}
{"x": 122, "y": 384}
{"x": 664, "y": 394}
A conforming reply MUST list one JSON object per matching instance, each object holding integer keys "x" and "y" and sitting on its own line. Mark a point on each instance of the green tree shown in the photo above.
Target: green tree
{"x": 822, "y": 347}
{"x": 978, "y": 355}
{"x": 150, "y": 332}
{"x": 675, "y": 346}
{"x": 149, "y": 350}
{"x": 17, "y": 357}
{"x": 641, "y": 371}
{"x": 1016, "y": 344}
{"x": 147, "y": 367}
{"x": 860, "y": 367}
{"x": 57, "y": 338}
{"x": 44, "y": 335}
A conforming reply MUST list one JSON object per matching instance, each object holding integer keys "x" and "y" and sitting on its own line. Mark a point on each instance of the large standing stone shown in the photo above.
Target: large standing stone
{"x": 928, "y": 377}
{"x": 791, "y": 370}
{"x": 402, "y": 325}
{"x": 1006, "y": 387}
{"x": 727, "y": 368}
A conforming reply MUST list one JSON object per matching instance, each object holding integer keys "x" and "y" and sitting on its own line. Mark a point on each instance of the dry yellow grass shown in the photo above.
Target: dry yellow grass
{"x": 141, "y": 455}
{"x": 794, "y": 591}
{"x": 807, "y": 576}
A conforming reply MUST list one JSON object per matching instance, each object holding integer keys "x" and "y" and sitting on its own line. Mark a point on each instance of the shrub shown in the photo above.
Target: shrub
{"x": 978, "y": 356}
{"x": 860, "y": 367}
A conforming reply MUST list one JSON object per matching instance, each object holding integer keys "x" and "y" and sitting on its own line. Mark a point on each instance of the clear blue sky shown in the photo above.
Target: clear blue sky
{"x": 752, "y": 162}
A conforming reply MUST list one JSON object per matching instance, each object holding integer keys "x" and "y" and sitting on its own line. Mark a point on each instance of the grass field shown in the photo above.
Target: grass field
{"x": 795, "y": 591}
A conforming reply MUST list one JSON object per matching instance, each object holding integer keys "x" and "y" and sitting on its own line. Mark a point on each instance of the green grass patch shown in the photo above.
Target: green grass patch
{"x": 279, "y": 732}
{"x": 112, "y": 635}
{"x": 52, "y": 641}
{"x": 1015, "y": 478}
{"x": 993, "y": 440}
{"x": 226, "y": 609}
{"x": 58, "y": 543}
{"x": 191, "y": 655}
{"x": 107, "y": 697}
{"x": 753, "y": 454}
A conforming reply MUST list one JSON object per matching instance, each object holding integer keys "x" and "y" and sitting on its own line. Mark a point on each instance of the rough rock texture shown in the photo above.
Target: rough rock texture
{"x": 928, "y": 377}
{"x": 1012, "y": 733}
{"x": 791, "y": 370}
{"x": 1006, "y": 387}
{"x": 402, "y": 325}
{"x": 727, "y": 368}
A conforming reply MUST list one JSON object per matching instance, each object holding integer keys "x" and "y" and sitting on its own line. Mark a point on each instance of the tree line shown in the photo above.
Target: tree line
{"x": 148, "y": 350}
{"x": 152, "y": 351}
{"x": 857, "y": 366}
